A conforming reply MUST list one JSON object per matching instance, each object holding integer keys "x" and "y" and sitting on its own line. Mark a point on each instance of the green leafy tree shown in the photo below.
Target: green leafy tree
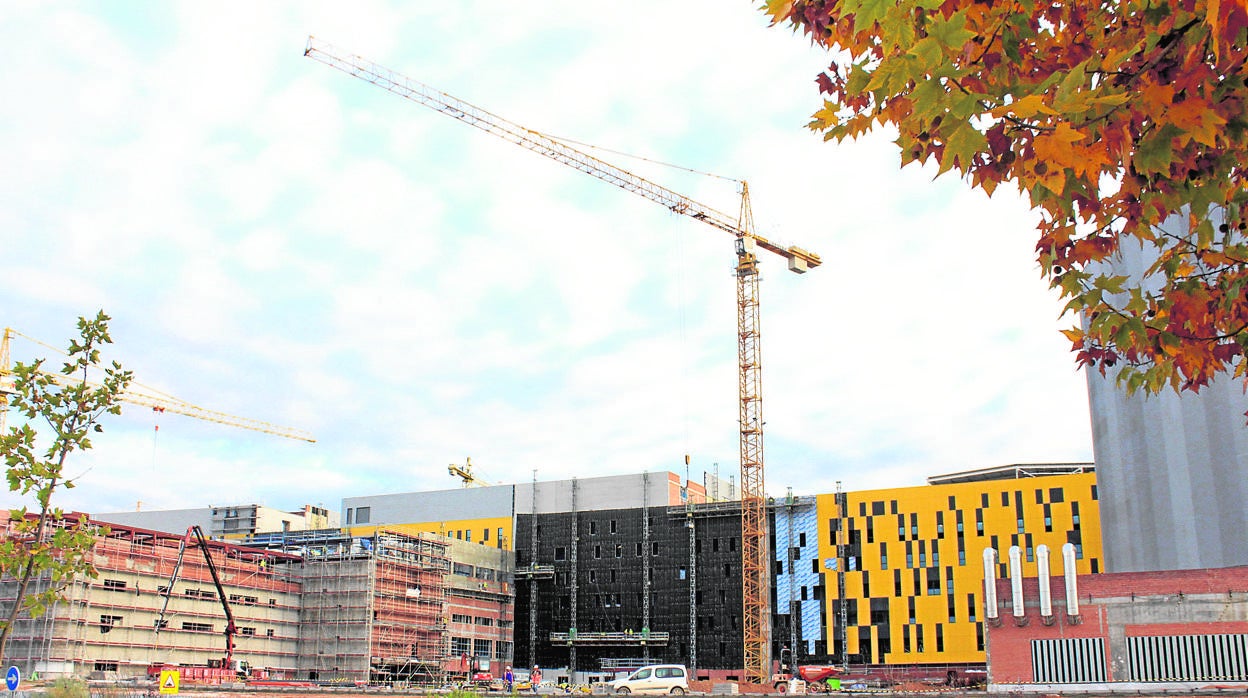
{"x": 1121, "y": 120}
{"x": 48, "y": 544}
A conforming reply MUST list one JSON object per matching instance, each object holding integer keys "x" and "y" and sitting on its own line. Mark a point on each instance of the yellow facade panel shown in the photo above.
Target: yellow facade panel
{"x": 488, "y": 531}
{"x": 912, "y": 559}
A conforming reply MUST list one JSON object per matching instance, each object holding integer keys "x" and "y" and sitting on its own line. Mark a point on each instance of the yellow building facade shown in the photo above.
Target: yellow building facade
{"x": 911, "y": 560}
{"x": 490, "y": 531}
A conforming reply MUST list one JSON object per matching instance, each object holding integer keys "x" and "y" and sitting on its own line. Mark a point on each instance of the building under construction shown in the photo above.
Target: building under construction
{"x": 617, "y": 572}
{"x": 130, "y": 617}
{"x": 374, "y": 607}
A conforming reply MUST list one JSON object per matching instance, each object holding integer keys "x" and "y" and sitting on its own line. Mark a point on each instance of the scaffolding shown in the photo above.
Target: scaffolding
{"x": 110, "y": 626}
{"x": 374, "y": 607}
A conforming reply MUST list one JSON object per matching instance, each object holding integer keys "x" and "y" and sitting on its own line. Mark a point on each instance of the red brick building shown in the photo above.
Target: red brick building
{"x": 1185, "y": 626}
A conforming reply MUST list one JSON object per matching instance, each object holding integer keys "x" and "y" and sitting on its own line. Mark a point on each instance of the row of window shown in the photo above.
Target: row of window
{"x": 1055, "y": 495}
{"x": 488, "y": 574}
{"x": 480, "y": 647}
{"x": 108, "y": 622}
{"x": 465, "y": 534}
{"x": 475, "y": 620}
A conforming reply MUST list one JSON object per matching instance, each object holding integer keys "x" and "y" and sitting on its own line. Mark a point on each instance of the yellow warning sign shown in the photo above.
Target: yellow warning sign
{"x": 169, "y": 682}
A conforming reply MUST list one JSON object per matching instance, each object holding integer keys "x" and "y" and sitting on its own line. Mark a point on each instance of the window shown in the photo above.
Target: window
{"x": 107, "y": 623}
{"x": 597, "y": 551}
{"x": 197, "y": 627}
{"x": 246, "y": 631}
{"x": 681, "y": 573}
{"x": 619, "y": 552}
{"x": 461, "y": 569}
{"x": 105, "y": 666}
{"x": 461, "y": 646}
{"x": 363, "y": 514}
{"x": 161, "y": 624}
{"x": 350, "y": 516}
{"x": 561, "y": 553}
{"x": 613, "y": 526}
{"x": 468, "y": 535}
{"x": 484, "y": 621}
{"x": 654, "y": 549}
{"x": 593, "y": 528}
{"x": 593, "y": 576}
{"x": 268, "y": 633}
{"x": 460, "y": 618}
{"x": 115, "y": 584}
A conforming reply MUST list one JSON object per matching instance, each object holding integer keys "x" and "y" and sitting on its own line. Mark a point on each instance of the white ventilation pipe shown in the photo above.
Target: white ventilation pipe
{"x": 1016, "y": 580}
{"x": 990, "y": 583}
{"x": 1072, "y": 584}
{"x": 1042, "y": 572}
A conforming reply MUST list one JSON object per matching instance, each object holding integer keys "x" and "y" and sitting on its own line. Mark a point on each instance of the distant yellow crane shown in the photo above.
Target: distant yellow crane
{"x": 755, "y": 559}
{"x": 136, "y": 394}
{"x": 464, "y": 473}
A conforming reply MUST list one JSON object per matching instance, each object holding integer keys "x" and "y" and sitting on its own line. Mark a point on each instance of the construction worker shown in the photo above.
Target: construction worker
{"x": 509, "y": 679}
{"x": 535, "y": 677}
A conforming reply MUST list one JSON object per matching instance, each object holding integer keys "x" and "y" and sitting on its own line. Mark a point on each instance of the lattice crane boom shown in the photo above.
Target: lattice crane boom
{"x": 140, "y": 395}
{"x": 799, "y": 259}
{"x": 755, "y": 559}
{"x": 465, "y": 474}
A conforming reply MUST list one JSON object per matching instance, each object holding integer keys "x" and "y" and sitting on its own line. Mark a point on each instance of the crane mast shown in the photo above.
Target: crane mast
{"x": 755, "y": 560}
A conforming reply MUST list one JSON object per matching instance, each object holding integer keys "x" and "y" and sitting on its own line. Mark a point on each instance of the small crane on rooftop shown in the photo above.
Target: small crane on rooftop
{"x": 464, "y": 473}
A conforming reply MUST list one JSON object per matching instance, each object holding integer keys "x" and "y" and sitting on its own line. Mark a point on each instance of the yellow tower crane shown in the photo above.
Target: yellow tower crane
{"x": 136, "y": 394}
{"x": 755, "y": 565}
{"x": 465, "y": 474}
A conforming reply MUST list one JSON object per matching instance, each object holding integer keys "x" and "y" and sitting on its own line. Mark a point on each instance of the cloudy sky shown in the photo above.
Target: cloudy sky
{"x": 280, "y": 241}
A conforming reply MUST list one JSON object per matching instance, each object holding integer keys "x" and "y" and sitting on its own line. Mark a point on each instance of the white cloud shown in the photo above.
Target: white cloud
{"x": 278, "y": 240}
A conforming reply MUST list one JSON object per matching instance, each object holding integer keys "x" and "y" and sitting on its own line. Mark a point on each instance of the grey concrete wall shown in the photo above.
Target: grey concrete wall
{"x": 169, "y": 521}
{"x": 610, "y": 492}
{"x": 1172, "y": 470}
{"x": 441, "y": 505}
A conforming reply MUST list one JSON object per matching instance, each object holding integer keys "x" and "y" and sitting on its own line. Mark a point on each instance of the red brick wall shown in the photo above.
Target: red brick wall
{"x": 1009, "y": 645}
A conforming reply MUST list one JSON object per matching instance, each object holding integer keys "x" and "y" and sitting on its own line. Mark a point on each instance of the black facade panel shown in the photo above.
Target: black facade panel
{"x": 609, "y": 579}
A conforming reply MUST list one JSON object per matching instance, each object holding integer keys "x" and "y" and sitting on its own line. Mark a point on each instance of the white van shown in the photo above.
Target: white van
{"x": 654, "y": 679}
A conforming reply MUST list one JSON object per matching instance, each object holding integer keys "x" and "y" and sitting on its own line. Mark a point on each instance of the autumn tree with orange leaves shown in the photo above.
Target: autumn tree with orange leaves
{"x": 1113, "y": 117}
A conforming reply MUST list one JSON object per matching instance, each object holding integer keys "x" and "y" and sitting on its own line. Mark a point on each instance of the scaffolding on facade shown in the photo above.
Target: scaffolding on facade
{"x": 374, "y": 607}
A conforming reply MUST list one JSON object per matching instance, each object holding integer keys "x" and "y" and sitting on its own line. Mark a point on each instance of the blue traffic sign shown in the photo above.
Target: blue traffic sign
{"x": 13, "y": 679}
